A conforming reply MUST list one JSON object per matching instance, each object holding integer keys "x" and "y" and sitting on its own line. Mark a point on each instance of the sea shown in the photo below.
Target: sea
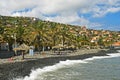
{"x": 95, "y": 68}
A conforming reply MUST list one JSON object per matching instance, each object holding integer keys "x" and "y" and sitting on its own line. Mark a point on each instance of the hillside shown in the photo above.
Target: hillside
{"x": 33, "y": 31}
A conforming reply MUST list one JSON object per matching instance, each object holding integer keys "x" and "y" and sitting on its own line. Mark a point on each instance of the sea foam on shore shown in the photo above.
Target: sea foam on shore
{"x": 38, "y": 72}
{"x": 16, "y": 69}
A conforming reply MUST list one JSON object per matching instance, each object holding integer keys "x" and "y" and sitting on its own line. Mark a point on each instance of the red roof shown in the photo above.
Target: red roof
{"x": 116, "y": 44}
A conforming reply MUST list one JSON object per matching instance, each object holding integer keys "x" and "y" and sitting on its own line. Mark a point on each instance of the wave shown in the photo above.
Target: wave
{"x": 118, "y": 51}
{"x": 103, "y": 57}
{"x": 34, "y": 73}
{"x": 62, "y": 64}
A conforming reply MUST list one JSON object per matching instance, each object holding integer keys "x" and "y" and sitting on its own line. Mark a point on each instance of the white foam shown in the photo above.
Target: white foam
{"x": 118, "y": 51}
{"x": 103, "y": 57}
{"x": 35, "y": 73}
{"x": 99, "y": 57}
{"x": 114, "y": 55}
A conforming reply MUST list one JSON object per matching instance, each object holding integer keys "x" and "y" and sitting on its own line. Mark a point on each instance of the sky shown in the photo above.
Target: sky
{"x": 94, "y": 14}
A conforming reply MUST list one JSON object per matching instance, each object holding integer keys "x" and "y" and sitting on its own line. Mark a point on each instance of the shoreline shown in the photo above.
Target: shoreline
{"x": 23, "y": 68}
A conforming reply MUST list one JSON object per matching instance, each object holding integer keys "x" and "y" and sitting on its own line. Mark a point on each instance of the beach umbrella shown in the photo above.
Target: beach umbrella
{"x": 23, "y": 47}
{"x": 72, "y": 46}
{"x": 58, "y": 46}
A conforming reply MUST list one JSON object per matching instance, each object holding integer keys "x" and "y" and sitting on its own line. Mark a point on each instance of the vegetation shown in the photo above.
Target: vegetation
{"x": 43, "y": 34}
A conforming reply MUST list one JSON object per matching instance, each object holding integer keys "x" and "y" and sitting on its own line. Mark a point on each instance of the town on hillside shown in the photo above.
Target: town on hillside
{"x": 46, "y": 35}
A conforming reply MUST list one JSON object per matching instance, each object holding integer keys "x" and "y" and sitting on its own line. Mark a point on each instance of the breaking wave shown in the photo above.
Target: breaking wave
{"x": 62, "y": 64}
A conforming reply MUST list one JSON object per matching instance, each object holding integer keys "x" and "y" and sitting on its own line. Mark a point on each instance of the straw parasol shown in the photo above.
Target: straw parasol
{"x": 72, "y": 46}
{"x": 23, "y": 47}
{"x": 57, "y": 46}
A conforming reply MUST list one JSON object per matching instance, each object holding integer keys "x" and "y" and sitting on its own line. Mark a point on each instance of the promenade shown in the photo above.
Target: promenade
{"x": 8, "y": 56}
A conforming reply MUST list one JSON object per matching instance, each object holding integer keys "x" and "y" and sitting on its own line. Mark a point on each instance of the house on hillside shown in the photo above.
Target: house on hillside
{"x": 116, "y": 44}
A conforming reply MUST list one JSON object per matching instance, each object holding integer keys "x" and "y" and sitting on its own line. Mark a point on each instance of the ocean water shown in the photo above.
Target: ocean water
{"x": 95, "y": 68}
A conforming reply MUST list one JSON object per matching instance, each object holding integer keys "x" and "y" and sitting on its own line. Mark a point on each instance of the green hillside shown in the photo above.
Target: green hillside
{"x": 33, "y": 31}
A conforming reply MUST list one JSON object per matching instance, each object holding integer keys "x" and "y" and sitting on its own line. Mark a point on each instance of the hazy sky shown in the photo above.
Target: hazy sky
{"x": 95, "y": 14}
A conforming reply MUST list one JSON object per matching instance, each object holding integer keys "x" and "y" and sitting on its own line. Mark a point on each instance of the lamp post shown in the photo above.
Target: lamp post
{"x": 14, "y": 37}
{"x": 15, "y": 45}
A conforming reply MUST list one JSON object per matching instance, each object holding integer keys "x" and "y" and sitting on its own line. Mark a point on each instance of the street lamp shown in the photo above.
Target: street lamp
{"x": 15, "y": 45}
{"x": 14, "y": 37}
{"x": 15, "y": 34}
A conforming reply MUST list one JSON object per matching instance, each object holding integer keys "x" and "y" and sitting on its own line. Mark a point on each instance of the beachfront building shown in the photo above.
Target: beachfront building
{"x": 4, "y": 46}
{"x": 116, "y": 44}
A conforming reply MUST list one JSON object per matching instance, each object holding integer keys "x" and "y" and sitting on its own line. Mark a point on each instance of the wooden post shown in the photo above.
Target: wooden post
{"x": 22, "y": 55}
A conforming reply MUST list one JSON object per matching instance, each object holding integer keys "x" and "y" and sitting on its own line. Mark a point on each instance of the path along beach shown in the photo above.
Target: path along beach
{"x": 15, "y": 67}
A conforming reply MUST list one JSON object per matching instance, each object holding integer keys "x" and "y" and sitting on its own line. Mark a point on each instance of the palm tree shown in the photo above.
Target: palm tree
{"x": 28, "y": 36}
{"x": 1, "y": 29}
{"x": 40, "y": 35}
{"x": 1, "y": 32}
{"x": 8, "y": 36}
{"x": 64, "y": 33}
{"x": 20, "y": 34}
{"x": 53, "y": 32}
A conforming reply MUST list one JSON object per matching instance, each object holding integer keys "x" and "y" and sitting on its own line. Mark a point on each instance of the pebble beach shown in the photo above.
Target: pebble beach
{"x": 16, "y": 67}
{"x": 47, "y": 54}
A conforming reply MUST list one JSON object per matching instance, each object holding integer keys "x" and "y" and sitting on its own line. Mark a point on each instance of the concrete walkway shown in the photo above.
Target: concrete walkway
{"x": 11, "y": 58}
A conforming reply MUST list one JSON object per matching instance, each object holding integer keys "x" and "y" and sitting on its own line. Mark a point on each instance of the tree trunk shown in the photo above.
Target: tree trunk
{"x": 10, "y": 46}
{"x": 63, "y": 40}
{"x": 54, "y": 40}
{"x": 22, "y": 55}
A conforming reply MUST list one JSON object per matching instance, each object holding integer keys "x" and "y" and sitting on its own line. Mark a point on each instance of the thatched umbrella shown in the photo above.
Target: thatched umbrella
{"x": 72, "y": 46}
{"x": 57, "y": 47}
{"x": 23, "y": 47}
